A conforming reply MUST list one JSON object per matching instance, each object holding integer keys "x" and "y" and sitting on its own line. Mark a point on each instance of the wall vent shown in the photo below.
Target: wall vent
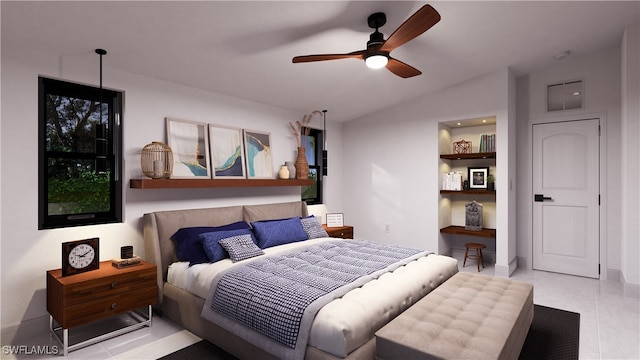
{"x": 566, "y": 95}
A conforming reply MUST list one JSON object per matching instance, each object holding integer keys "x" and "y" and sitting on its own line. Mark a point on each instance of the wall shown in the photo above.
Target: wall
{"x": 601, "y": 74}
{"x": 391, "y": 173}
{"x": 630, "y": 246}
{"x": 28, "y": 253}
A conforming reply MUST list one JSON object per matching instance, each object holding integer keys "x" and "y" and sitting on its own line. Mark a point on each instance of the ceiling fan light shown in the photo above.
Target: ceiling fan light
{"x": 376, "y": 61}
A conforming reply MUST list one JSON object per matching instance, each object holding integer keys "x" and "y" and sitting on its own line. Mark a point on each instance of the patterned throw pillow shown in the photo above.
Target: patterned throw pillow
{"x": 240, "y": 247}
{"x": 213, "y": 249}
{"x": 313, "y": 227}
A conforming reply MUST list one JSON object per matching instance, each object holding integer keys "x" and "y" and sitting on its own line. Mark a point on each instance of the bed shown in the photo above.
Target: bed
{"x": 343, "y": 328}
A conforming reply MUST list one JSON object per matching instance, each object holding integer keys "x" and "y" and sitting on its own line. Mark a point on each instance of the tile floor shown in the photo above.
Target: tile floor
{"x": 609, "y": 324}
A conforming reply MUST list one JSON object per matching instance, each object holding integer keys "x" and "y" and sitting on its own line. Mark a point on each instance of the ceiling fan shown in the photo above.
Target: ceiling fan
{"x": 377, "y": 53}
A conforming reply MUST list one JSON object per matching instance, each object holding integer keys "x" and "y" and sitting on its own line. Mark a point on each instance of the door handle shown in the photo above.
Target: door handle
{"x": 541, "y": 198}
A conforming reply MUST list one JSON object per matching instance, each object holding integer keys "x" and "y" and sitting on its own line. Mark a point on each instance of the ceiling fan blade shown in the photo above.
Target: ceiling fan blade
{"x": 421, "y": 21}
{"x": 401, "y": 69}
{"x": 310, "y": 58}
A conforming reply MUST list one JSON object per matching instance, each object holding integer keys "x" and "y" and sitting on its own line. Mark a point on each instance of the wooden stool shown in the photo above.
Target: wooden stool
{"x": 477, "y": 256}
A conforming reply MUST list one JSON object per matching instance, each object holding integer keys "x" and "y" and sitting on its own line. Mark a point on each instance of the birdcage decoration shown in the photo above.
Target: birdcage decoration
{"x": 157, "y": 160}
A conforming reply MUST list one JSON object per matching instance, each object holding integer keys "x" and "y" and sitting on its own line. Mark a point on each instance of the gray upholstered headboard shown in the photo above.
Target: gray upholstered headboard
{"x": 158, "y": 227}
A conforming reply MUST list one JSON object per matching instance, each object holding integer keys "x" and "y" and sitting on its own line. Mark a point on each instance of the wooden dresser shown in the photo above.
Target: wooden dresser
{"x": 345, "y": 232}
{"x": 82, "y": 298}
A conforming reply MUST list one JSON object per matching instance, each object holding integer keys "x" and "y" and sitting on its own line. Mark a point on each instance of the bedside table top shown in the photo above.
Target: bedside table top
{"x": 106, "y": 269}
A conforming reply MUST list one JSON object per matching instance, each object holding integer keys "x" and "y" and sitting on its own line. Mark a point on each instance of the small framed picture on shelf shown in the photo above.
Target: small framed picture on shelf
{"x": 477, "y": 176}
{"x": 335, "y": 220}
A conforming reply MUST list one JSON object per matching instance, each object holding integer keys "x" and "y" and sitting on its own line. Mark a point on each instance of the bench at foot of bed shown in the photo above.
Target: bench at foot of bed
{"x": 470, "y": 316}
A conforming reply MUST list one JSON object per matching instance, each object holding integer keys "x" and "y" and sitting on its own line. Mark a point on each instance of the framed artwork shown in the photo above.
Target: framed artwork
{"x": 257, "y": 148}
{"x": 478, "y": 177}
{"x": 189, "y": 143}
{"x": 335, "y": 220}
{"x": 227, "y": 152}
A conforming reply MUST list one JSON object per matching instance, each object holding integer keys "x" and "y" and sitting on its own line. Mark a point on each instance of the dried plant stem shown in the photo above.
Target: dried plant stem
{"x": 302, "y": 126}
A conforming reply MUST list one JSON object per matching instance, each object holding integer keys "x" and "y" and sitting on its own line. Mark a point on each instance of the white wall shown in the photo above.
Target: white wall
{"x": 630, "y": 159}
{"x": 601, "y": 74}
{"x": 391, "y": 173}
{"x": 28, "y": 253}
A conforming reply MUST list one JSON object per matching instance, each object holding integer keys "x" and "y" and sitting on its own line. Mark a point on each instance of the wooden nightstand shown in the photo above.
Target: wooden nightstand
{"x": 80, "y": 299}
{"x": 345, "y": 232}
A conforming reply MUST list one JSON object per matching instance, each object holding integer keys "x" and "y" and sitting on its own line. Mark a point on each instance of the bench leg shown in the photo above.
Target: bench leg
{"x": 466, "y": 252}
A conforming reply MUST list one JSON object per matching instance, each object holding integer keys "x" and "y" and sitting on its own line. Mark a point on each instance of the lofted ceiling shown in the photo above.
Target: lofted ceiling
{"x": 244, "y": 48}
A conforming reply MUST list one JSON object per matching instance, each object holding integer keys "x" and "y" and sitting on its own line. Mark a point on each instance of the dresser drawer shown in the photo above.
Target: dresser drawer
{"x": 104, "y": 307}
{"x": 82, "y": 292}
{"x": 345, "y": 232}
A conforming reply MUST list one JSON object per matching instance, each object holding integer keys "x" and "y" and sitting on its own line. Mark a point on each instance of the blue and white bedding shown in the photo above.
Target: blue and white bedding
{"x": 348, "y": 322}
{"x": 278, "y": 296}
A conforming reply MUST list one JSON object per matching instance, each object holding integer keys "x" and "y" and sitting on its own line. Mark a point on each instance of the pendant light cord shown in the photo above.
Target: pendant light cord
{"x": 101, "y": 52}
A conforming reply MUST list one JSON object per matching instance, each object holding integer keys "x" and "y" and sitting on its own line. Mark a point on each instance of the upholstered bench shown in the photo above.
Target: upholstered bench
{"x": 470, "y": 316}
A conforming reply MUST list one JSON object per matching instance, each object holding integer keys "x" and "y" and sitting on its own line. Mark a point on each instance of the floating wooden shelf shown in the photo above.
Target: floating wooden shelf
{"x": 471, "y": 192}
{"x": 213, "y": 183}
{"x": 484, "y": 155}
{"x": 460, "y": 230}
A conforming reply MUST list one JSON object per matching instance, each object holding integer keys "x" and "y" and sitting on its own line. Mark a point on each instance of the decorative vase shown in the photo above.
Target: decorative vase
{"x": 291, "y": 168}
{"x": 302, "y": 166}
{"x": 156, "y": 160}
{"x": 283, "y": 173}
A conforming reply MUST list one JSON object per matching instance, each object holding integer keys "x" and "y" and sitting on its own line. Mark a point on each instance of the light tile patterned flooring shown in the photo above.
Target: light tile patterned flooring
{"x": 609, "y": 323}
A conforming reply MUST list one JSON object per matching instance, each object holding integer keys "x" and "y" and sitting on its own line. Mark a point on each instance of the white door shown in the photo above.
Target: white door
{"x": 566, "y": 182}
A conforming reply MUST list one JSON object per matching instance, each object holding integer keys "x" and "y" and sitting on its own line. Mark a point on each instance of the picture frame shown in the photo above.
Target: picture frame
{"x": 189, "y": 143}
{"x": 227, "y": 155}
{"x": 335, "y": 219}
{"x": 477, "y": 176}
{"x": 259, "y": 158}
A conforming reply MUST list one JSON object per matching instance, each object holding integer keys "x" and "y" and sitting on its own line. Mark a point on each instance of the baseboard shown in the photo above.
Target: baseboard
{"x": 506, "y": 271}
{"x": 630, "y": 290}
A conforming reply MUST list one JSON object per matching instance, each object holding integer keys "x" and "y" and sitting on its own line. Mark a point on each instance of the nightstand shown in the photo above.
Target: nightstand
{"x": 82, "y": 298}
{"x": 345, "y": 232}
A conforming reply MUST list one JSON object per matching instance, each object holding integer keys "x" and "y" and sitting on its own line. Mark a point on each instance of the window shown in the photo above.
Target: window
{"x": 80, "y": 148}
{"x": 313, "y": 194}
{"x": 568, "y": 95}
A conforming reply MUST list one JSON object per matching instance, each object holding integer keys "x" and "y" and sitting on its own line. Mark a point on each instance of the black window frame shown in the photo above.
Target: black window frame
{"x": 315, "y": 166}
{"x": 114, "y": 152}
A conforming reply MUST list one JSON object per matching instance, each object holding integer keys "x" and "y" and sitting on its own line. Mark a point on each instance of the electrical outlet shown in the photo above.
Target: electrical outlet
{"x": 387, "y": 228}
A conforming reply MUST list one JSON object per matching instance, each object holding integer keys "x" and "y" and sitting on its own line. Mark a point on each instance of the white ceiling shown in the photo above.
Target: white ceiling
{"x": 244, "y": 49}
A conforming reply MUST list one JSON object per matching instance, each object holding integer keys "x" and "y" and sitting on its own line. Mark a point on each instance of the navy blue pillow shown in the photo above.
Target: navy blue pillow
{"x": 188, "y": 245}
{"x": 213, "y": 249}
{"x": 277, "y": 232}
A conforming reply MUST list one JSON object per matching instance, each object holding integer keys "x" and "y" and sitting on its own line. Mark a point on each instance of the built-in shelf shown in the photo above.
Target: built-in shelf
{"x": 484, "y": 155}
{"x": 471, "y": 192}
{"x": 214, "y": 183}
{"x": 460, "y": 230}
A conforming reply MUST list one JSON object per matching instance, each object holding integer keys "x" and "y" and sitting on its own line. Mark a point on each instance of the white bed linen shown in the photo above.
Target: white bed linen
{"x": 346, "y": 323}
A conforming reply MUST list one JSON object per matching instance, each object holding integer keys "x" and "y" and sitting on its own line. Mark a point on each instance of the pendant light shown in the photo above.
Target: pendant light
{"x": 101, "y": 129}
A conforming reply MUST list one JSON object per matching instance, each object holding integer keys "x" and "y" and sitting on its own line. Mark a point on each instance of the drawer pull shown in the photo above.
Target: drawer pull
{"x": 113, "y": 285}
{"x": 114, "y": 306}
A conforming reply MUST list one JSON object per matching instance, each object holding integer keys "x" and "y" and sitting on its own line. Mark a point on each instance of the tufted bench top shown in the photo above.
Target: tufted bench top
{"x": 470, "y": 316}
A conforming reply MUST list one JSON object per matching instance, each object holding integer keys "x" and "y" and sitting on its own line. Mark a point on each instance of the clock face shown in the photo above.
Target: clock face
{"x": 81, "y": 256}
